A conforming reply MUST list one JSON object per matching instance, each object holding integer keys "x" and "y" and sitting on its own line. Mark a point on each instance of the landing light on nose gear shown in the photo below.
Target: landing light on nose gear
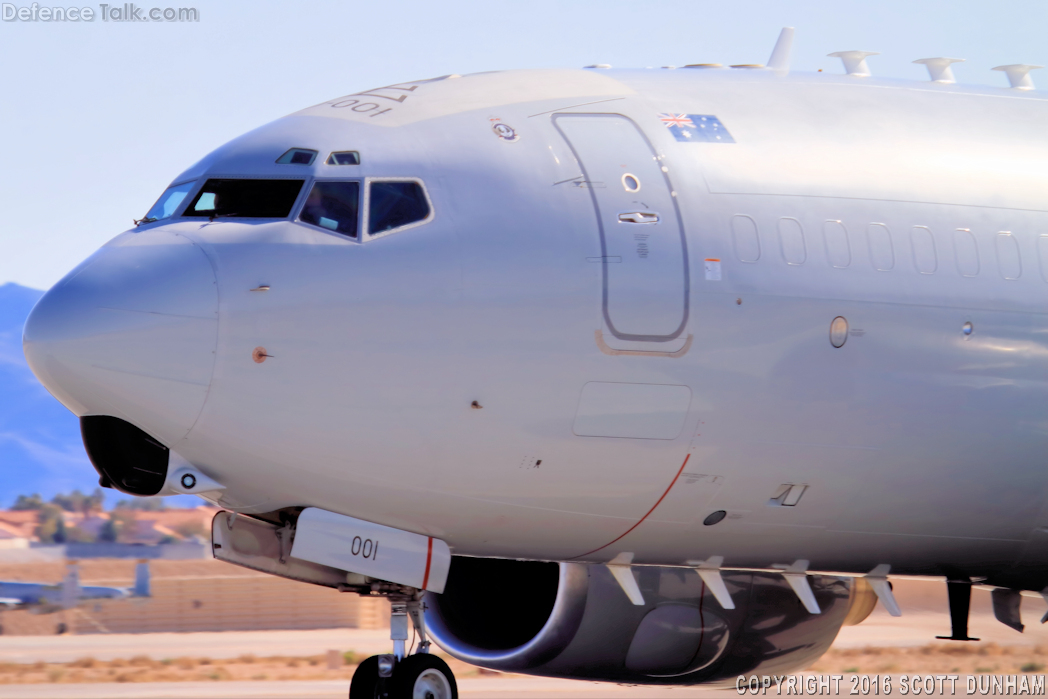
{"x": 399, "y": 675}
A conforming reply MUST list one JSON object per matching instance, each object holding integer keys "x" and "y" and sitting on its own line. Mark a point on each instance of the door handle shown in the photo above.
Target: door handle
{"x": 639, "y": 217}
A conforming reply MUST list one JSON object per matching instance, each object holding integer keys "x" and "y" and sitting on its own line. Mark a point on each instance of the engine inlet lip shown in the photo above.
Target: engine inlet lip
{"x": 563, "y": 622}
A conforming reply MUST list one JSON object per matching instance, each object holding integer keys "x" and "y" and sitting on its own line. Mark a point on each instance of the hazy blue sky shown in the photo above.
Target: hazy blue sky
{"x": 97, "y": 118}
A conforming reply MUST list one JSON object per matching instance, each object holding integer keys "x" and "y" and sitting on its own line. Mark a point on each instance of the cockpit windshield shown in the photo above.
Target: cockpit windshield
{"x": 395, "y": 204}
{"x": 245, "y": 199}
{"x": 168, "y": 202}
{"x": 333, "y": 205}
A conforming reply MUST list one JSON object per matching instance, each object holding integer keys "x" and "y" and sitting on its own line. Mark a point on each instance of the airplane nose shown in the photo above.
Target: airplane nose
{"x": 131, "y": 333}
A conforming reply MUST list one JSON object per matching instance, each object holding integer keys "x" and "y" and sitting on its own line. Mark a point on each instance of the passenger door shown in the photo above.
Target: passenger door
{"x": 643, "y": 247}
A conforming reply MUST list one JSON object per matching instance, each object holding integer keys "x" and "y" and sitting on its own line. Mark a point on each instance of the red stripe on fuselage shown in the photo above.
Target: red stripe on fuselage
{"x": 429, "y": 559}
{"x": 657, "y": 503}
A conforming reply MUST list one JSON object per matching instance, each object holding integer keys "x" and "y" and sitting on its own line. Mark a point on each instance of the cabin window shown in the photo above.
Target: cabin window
{"x": 966, "y": 251}
{"x": 925, "y": 258}
{"x": 1042, "y": 255}
{"x": 245, "y": 199}
{"x": 744, "y": 236}
{"x": 168, "y": 202}
{"x": 395, "y": 204}
{"x": 882, "y": 253}
{"x": 791, "y": 238}
{"x": 333, "y": 205}
{"x": 838, "y": 249}
{"x": 1009, "y": 262}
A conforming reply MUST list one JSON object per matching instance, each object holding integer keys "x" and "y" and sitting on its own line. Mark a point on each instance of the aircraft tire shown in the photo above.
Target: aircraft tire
{"x": 365, "y": 682}
{"x": 423, "y": 676}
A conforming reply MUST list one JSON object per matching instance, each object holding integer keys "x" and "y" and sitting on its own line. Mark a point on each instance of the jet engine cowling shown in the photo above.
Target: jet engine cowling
{"x": 573, "y": 620}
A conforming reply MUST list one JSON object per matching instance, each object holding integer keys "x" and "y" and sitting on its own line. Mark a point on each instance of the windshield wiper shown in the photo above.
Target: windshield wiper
{"x": 214, "y": 216}
{"x": 140, "y": 221}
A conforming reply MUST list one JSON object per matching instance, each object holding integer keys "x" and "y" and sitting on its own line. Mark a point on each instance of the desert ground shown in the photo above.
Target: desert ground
{"x": 319, "y": 663}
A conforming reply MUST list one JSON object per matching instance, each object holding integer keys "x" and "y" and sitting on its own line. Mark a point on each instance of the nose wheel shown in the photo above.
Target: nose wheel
{"x": 366, "y": 683}
{"x": 401, "y": 676}
{"x": 423, "y": 676}
{"x": 420, "y": 676}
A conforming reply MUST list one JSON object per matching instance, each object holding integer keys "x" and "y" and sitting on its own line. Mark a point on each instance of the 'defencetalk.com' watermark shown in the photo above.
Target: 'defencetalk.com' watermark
{"x": 127, "y": 12}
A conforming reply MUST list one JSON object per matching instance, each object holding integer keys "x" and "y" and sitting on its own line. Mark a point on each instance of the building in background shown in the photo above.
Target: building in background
{"x": 190, "y": 590}
{"x": 40, "y": 526}
{"x": 21, "y": 524}
{"x": 12, "y": 537}
{"x": 191, "y": 595}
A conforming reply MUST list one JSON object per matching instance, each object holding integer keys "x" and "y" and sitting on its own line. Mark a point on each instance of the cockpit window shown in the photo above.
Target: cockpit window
{"x": 333, "y": 205}
{"x": 297, "y": 156}
{"x": 346, "y": 157}
{"x": 168, "y": 202}
{"x": 395, "y": 204}
{"x": 245, "y": 199}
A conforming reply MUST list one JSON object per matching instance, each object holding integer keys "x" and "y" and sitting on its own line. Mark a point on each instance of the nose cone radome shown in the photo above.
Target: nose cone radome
{"x": 131, "y": 333}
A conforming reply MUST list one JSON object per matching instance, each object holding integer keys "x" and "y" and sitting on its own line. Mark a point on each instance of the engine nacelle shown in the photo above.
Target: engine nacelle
{"x": 573, "y": 620}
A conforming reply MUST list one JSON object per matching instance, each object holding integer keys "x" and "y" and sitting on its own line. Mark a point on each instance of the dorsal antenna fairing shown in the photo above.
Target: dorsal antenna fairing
{"x": 939, "y": 68}
{"x": 855, "y": 62}
{"x": 778, "y": 62}
{"x": 1019, "y": 75}
{"x": 780, "y": 55}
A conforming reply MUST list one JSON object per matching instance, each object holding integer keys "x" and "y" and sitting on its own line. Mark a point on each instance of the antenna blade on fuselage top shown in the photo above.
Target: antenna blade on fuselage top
{"x": 780, "y": 55}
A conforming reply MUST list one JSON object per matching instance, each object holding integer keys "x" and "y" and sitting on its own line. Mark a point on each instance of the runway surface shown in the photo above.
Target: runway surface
{"x": 216, "y": 644}
{"x": 924, "y": 607}
{"x": 479, "y": 688}
{"x": 920, "y": 623}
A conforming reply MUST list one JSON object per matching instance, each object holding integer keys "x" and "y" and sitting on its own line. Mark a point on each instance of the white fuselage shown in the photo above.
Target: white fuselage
{"x": 907, "y": 209}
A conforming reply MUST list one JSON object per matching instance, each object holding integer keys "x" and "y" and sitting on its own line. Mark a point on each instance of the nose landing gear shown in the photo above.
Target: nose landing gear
{"x": 399, "y": 675}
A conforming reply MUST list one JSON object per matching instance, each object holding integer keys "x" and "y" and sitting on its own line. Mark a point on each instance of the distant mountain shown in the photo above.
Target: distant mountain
{"x": 40, "y": 447}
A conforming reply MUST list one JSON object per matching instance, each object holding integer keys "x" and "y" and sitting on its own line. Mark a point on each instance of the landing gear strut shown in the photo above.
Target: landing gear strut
{"x": 399, "y": 675}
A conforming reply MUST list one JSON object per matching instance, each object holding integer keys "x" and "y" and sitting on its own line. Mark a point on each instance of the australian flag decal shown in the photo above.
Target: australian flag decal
{"x": 697, "y": 128}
